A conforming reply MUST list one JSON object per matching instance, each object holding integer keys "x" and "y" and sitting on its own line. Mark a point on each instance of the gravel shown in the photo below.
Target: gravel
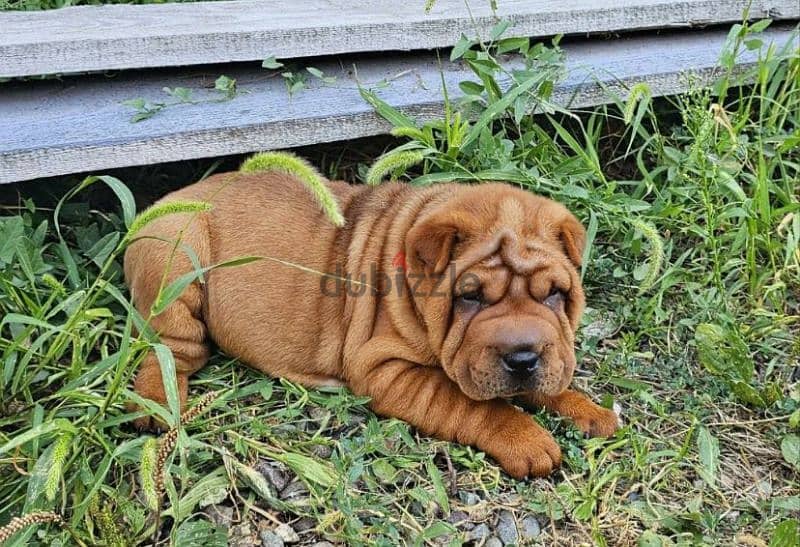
{"x": 507, "y": 528}
{"x": 241, "y": 536}
{"x": 461, "y": 520}
{"x": 478, "y": 534}
{"x": 276, "y": 473}
{"x": 294, "y": 490}
{"x": 270, "y": 539}
{"x": 469, "y": 498}
{"x": 221, "y": 515}
{"x": 530, "y": 528}
{"x": 287, "y": 533}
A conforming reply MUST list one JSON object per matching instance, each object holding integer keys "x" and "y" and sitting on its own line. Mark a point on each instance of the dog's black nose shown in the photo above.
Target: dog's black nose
{"x": 519, "y": 362}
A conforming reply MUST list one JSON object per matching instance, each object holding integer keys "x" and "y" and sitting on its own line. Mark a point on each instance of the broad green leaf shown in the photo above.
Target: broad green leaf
{"x": 103, "y": 248}
{"x": 271, "y": 63}
{"x": 255, "y": 480}
{"x": 12, "y": 230}
{"x": 460, "y": 48}
{"x": 787, "y": 534}
{"x": 708, "y": 447}
{"x": 201, "y": 533}
{"x": 310, "y": 469}
{"x": 499, "y": 29}
{"x": 384, "y": 471}
{"x": 471, "y": 88}
{"x": 211, "y": 489}
{"x": 439, "y": 491}
{"x": 790, "y": 448}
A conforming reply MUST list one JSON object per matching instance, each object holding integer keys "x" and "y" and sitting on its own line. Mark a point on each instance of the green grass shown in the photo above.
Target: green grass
{"x": 693, "y": 327}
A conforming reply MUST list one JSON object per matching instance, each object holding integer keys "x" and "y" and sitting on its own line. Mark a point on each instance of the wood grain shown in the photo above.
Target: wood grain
{"x": 79, "y": 124}
{"x": 95, "y": 38}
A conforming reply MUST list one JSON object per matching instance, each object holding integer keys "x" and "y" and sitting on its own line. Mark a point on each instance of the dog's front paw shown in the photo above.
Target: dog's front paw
{"x": 596, "y": 421}
{"x": 523, "y": 448}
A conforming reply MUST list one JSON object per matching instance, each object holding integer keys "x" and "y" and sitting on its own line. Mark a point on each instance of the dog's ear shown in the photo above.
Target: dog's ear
{"x": 573, "y": 239}
{"x": 429, "y": 246}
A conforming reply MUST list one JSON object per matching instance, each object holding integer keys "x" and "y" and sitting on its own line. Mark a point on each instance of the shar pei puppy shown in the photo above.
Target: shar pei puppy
{"x": 441, "y": 304}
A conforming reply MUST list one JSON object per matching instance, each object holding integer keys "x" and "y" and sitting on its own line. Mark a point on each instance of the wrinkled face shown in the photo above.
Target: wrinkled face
{"x": 509, "y": 298}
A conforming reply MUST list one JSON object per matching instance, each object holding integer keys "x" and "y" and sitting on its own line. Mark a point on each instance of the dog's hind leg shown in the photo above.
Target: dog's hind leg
{"x": 150, "y": 265}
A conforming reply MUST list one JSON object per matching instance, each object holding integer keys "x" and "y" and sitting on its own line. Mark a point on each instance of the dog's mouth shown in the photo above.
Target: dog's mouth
{"x": 484, "y": 379}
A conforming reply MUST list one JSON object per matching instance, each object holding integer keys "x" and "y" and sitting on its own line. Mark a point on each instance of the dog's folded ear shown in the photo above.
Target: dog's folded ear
{"x": 429, "y": 245}
{"x": 573, "y": 239}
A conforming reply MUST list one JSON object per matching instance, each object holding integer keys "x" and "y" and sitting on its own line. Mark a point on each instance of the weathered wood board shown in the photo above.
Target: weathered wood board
{"x": 94, "y": 38}
{"x": 79, "y": 125}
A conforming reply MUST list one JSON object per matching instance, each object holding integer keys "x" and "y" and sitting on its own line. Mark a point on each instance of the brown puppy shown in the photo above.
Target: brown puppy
{"x": 438, "y": 303}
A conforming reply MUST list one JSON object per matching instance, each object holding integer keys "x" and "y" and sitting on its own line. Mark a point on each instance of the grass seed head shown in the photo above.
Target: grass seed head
{"x": 18, "y": 524}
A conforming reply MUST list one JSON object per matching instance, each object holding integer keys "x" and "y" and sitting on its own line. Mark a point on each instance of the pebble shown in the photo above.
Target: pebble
{"x": 764, "y": 488}
{"x": 507, "y": 528}
{"x": 304, "y": 524}
{"x": 530, "y": 528}
{"x": 294, "y": 489}
{"x": 460, "y": 519}
{"x": 469, "y": 498}
{"x": 221, "y": 515}
{"x": 287, "y": 533}
{"x": 270, "y": 539}
{"x": 493, "y": 542}
{"x": 240, "y": 536}
{"x": 478, "y": 533}
{"x": 274, "y": 472}
{"x": 318, "y": 413}
{"x": 323, "y": 544}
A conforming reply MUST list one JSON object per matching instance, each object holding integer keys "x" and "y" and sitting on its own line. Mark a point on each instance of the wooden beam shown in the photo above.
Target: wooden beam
{"x": 79, "y": 124}
{"x": 110, "y": 37}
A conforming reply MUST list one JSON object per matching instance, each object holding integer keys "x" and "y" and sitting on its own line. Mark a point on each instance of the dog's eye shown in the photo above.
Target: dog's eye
{"x": 471, "y": 297}
{"x": 555, "y": 298}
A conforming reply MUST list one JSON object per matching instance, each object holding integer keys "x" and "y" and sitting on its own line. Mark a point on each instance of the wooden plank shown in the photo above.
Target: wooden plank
{"x": 93, "y": 38}
{"x": 79, "y": 125}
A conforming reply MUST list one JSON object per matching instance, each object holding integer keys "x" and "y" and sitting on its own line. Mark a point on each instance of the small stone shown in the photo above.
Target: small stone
{"x": 507, "y": 528}
{"x": 293, "y": 490}
{"x": 221, "y": 515}
{"x": 241, "y": 536}
{"x": 323, "y": 544}
{"x": 530, "y": 528}
{"x": 270, "y": 539}
{"x": 764, "y": 488}
{"x": 493, "y": 542}
{"x": 460, "y": 519}
{"x": 318, "y": 413}
{"x": 478, "y": 533}
{"x": 287, "y": 533}
{"x": 275, "y": 473}
{"x": 304, "y": 524}
{"x": 469, "y": 498}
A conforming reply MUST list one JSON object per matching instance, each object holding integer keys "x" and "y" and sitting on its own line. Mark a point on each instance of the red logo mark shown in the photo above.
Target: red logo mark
{"x": 399, "y": 260}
